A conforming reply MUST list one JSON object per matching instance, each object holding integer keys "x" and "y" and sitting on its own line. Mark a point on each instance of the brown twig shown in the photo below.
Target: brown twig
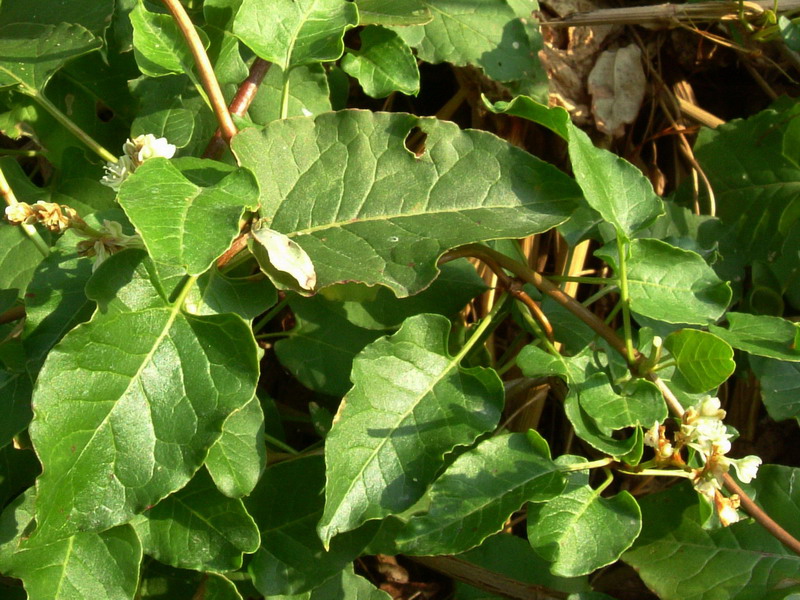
{"x": 487, "y": 580}
{"x": 495, "y": 259}
{"x": 15, "y": 313}
{"x": 240, "y": 103}
{"x": 204, "y": 67}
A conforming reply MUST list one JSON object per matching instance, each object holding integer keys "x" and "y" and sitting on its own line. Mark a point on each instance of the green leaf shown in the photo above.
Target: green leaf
{"x": 780, "y": 386}
{"x": 198, "y": 528}
{"x": 15, "y": 521}
{"x": 383, "y": 64}
{"x": 378, "y": 308}
{"x": 18, "y": 258}
{"x": 411, "y": 403}
{"x": 670, "y": 284}
{"x": 512, "y": 557}
{"x": 187, "y": 210}
{"x": 320, "y": 348}
{"x": 291, "y": 33}
{"x": 247, "y": 296}
{"x": 475, "y": 495}
{"x": 56, "y": 301}
{"x": 85, "y": 565}
{"x": 612, "y": 186}
{"x": 581, "y": 531}
{"x": 367, "y": 209}
{"x": 238, "y": 458}
{"x": 287, "y": 504}
{"x": 393, "y": 12}
{"x": 771, "y": 337}
{"x": 127, "y": 406}
{"x": 345, "y": 584}
{"x": 31, "y": 53}
{"x": 158, "y": 44}
{"x": 536, "y": 362}
{"x": 777, "y": 491}
{"x": 308, "y": 94}
{"x": 754, "y": 183}
{"x": 94, "y": 15}
{"x": 639, "y": 403}
{"x": 484, "y": 33}
{"x": 679, "y": 560}
{"x": 163, "y": 110}
{"x": 15, "y": 402}
{"x": 586, "y": 428}
{"x": 160, "y": 582}
{"x": 703, "y": 360}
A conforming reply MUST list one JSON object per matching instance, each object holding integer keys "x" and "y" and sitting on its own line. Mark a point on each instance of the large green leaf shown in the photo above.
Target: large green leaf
{"x": 345, "y": 584}
{"x": 85, "y": 565}
{"x": 239, "y": 456}
{"x": 158, "y": 44}
{"x": 287, "y": 504}
{"x": 18, "y": 258}
{"x": 679, "y": 560}
{"x": 367, "y": 209}
{"x": 671, "y": 284}
{"x": 127, "y": 405}
{"x": 320, "y": 348}
{"x": 628, "y": 449}
{"x": 393, "y": 12}
{"x": 291, "y": 33}
{"x": 638, "y": 403}
{"x": 411, "y": 403}
{"x": 31, "y": 53}
{"x": 482, "y": 33}
{"x": 15, "y": 402}
{"x": 187, "y": 210}
{"x": 477, "y": 493}
{"x": 780, "y": 386}
{"x": 308, "y": 94}
{"x": 581, "y": 531}
{"x": 383, "y": 64}
{"x": 612, "y": 186}
{"x": 703, "y": 360}
{"x": 248, "y": 296}
{"x": 198, "y": 528}
{"x": 755, "y": 184}
{"x": 94, "y": 16}
{"x": 771, "y": 337}
{"x": 160, "y": 582}
{"x": 511, "y": 556}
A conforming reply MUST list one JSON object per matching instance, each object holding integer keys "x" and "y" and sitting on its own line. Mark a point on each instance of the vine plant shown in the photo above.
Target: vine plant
{"x": 142, "y": 456}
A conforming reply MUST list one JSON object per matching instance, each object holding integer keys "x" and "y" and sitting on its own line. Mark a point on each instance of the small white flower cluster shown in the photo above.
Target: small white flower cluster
{"x": 703, "y": 430}
{"x": 56, "y": 217}
{"x": 107, "y": 241}
{"x": 136, "y": 151}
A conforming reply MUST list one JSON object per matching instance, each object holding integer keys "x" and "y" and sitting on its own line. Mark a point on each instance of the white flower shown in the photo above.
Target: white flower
{"x": 746, "y": 468}
{"x": 20, "y": 212}
{"x": 727, "y": 513}
{"x": 136, "y": 151}
{"x": 117, "y": 172}
{"x": 147, "y": 146}
{"x": 709, "y": 407}
{"x": 652, "y": 436}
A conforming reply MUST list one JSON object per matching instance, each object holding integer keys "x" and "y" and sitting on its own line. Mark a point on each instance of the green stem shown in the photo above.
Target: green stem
{"x": 661, "y": 473}
{"x": 482, "y": 327}
{"x": 665, "y": 365}
{"x": 599, "y": 294}
{"x": 274, "y": 335}
{"x": 270, "y": 314}
{"x": 186, "y": 287}
{"x": 279, "y": 444}
{"x": 595, "y": 280}
{"x": 71, "y": 126}
{"x": 533, "y": 324}
{"x": 609, "y": 478}
{"x": 29, "y": 229}
{"x": 285, "y": 95}
{"x": 26, "y": 153}
{"x": 585, "y": 466}
{"x": 625, "y": 299}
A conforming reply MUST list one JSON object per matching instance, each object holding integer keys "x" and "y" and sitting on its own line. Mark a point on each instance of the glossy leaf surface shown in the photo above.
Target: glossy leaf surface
{"x": 365, "y": 208}
{"x": 410, "y": 404}
{"x": 292, "y": 33}
{"x": 703, "y": 360}
{"x": 187, "y": 211}
{"x": 383, "y": 64}
{"x": 477, "y": 493}
{"x": 771, "y": 337}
